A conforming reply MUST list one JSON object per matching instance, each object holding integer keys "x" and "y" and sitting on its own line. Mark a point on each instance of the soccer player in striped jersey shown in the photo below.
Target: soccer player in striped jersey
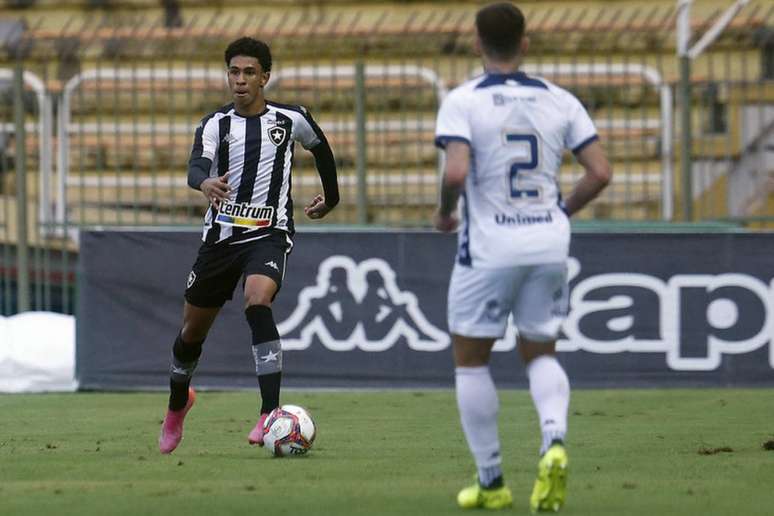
{"x": 241, "y": 162}
{"x": 504, "y": 134}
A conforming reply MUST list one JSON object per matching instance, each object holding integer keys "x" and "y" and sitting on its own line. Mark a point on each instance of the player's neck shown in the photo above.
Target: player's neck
{"x": 256, "y": 107}
{"x": 501, "y": 67}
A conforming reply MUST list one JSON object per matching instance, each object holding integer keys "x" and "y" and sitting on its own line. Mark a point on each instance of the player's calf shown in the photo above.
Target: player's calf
{"x": 267, "y": 353}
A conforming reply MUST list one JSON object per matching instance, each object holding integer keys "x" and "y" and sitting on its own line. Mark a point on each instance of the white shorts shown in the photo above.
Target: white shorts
{"x": 480, "y": 301}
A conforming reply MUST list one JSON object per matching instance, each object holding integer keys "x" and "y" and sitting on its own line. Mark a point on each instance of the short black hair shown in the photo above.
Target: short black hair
{"x": 500, "y": 28}
{"x": 250, "y": 47}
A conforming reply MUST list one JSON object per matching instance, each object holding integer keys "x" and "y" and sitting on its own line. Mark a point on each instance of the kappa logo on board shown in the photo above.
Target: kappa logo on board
{"x": 693, "y": 319}
{"x": 358, "y": 306}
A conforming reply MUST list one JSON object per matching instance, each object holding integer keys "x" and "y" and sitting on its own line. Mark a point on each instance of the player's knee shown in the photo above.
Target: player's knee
{"x": 470, "y": 360}
{"x": 193, "y": 332}
{"x": 259, "y": 291}
{"x": 469, "y": 352}
{"x": 531, "y": 349}
{"x": 258, "y": 299}
{"x": 197, "y": 322}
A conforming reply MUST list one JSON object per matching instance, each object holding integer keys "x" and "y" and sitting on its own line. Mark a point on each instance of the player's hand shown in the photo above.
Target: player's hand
{"x": 317, "y": 209}
{"x": 445, "y": 223}
{"x": 216, "y": 189}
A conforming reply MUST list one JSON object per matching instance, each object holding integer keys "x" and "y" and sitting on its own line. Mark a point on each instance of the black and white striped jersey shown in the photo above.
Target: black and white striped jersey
{"x": 257, "y": 152}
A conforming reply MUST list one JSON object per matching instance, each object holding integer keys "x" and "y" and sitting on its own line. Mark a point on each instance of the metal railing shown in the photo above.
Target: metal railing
{"x": 653, "y": 78}
{"x": 19, "y": 212}
{"x": 358, "y": 127}
{"x": 45, "y": 132}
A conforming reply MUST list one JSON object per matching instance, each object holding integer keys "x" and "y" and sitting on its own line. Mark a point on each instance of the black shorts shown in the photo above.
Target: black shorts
{"x": 218, "y": 268}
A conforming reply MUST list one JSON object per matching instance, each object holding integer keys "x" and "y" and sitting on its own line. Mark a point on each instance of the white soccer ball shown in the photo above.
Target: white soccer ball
{"x": 289, "y": 430}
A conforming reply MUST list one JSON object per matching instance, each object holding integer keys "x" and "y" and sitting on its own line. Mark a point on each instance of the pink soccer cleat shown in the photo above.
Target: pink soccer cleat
{"x": 256, "y": 434}
{"x": 172, "y": 427}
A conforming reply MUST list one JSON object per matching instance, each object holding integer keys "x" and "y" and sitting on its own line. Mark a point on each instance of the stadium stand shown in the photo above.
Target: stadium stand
{"x": 129, "y": 139}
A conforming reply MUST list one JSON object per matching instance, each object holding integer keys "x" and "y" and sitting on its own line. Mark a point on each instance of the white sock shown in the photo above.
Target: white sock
{"x": 550, "y": 390}
{"x": 478, "y": 406}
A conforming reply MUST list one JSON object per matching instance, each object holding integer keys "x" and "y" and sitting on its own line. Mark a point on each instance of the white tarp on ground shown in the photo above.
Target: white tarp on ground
{"x": 37, "y": 352}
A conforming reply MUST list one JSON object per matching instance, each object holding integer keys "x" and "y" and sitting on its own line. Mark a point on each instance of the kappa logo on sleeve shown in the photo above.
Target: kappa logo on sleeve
{"x": 358, "y": 306}
{"x": 230, "y": 139}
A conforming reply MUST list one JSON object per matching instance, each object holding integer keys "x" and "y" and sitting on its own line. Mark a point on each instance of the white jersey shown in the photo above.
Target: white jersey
{"x": 257, "y": 152}
{"x": 518, "y": 128}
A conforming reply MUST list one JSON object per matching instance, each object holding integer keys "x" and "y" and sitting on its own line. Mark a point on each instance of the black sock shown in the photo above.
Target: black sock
{"x": 267, "y": 351}
{"x": 178, "y": 394}
{"x": 497, "y": 483}
{"x": 270, "y": 391}
{"x": 185, "y": 356}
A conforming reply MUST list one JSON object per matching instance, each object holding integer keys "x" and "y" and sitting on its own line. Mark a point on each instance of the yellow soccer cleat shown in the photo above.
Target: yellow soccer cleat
{"x": 551, "y": 484}
{"x": 476, "y": 496}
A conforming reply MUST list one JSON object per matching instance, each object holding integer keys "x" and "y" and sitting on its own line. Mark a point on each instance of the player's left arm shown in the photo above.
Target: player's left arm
{"x": 312, "y": 138}
{"x": 452, "y": 184}
{"x": 326, "y": 167}
{"x": 598, "y": 174}
{"x": 581, "y": 137}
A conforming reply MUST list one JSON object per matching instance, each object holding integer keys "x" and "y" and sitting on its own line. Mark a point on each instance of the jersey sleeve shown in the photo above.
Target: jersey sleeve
{"x": 580, "y": 129}
{"x": 306, "y": 131}
{"x": 452, "y": 122}
{"x": 206, "y": 140}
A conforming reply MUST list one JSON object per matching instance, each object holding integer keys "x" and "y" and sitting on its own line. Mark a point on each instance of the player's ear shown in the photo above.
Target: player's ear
{"x": 524, "y": 45}
{"x": 265, "y": 78}
{"x": 477, "y": 45}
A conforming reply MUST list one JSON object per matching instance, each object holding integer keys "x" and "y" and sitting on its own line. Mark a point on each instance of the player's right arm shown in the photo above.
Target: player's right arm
{"x": 205, "y": 147}
{"x": 455, "y": 173}
{"x": 453, "y": 135}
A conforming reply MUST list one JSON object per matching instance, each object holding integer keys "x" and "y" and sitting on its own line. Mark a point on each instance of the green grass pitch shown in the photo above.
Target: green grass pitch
{"x": 632, "y": 452}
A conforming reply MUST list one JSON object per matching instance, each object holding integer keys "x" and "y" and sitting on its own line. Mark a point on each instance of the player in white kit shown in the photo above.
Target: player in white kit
{"x": 504, "y": 134}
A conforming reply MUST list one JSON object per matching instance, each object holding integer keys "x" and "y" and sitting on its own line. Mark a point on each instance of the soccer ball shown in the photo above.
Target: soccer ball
{"x": 289, "y": 430}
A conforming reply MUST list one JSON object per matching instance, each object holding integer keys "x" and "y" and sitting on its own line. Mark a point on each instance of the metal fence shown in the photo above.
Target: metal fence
{"x": 99, "y": 132}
